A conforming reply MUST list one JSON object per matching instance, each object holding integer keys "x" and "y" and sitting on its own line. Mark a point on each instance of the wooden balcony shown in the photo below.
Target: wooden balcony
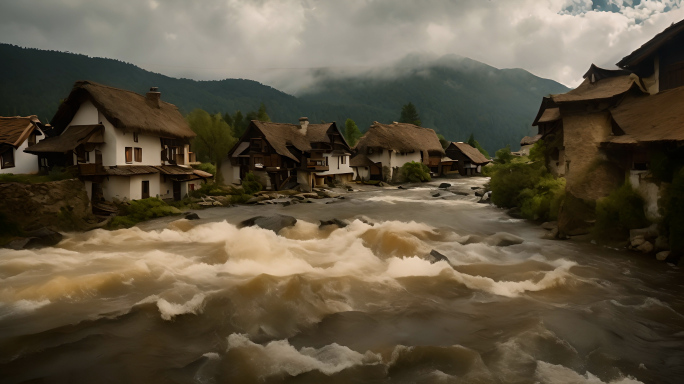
{"x": 317, "y": 165}
{"x": 91, "y": 169}
{"x": 180, "y": 159}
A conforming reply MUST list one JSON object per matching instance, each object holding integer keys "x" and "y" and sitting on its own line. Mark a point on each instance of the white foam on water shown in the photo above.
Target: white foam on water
{"x": 279, "y": 357}
{"x": 21, "y": 307}
{"x": 389, "y": 199}
{"x": 551, "y": 373}
{"x": 170, "y": 310}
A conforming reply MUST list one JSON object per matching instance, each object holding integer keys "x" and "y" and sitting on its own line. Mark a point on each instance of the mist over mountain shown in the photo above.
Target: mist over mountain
{"x": 454, "y": 95}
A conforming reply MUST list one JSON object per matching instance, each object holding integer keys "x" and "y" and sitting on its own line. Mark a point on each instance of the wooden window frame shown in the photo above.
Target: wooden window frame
{"x": 137, "y": 154}
{"x": 11, "y": 164}
{"x": 129, "y": 155}
{"x": 135, "y": 137}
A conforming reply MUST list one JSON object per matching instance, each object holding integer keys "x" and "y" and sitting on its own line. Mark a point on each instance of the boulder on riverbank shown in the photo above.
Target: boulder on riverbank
{"x": 43, "y": 237}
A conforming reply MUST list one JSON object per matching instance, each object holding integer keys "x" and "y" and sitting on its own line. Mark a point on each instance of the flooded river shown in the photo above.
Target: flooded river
{"x": 178, "y": 301}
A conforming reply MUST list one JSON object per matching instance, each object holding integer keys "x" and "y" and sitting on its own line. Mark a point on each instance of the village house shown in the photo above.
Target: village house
{"x": 468, "y": 160}
{"x": 123, "y": 145}
{"x": 386, "y": 147}
{"x": 284, "y": 155}
{"x": 607, "y": 129}
{"x": 17, "y": 134}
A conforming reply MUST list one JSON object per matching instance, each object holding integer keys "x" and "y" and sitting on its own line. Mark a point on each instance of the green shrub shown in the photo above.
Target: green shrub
{"x": 56, "y": 174}
{"x": 415, "y": 172}
{"x": 142, "y": 210}
{"x": 251, "y": 184}
{"x": 673, "y": 211}
{"x": 503, "y": 155}
{"x": 619, "y": 212}
{"x": 240, "y": 199}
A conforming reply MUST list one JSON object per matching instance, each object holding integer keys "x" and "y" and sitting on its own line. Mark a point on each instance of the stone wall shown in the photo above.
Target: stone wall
{"x": 59, "y": 205}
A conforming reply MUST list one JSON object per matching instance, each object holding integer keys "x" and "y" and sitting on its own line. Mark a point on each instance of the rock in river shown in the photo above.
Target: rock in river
{"x": 274, "y": 223}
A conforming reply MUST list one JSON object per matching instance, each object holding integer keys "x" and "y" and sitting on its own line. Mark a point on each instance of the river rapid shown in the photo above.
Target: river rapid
{"x": 177, "y": 301}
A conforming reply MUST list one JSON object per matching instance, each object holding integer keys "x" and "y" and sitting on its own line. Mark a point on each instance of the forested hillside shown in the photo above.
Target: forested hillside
{"x": 455, "y": 96}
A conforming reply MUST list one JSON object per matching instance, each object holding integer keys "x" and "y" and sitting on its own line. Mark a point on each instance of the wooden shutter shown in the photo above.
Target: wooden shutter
{"x": 129, "y": 154}
{"x": 138, "y": 155}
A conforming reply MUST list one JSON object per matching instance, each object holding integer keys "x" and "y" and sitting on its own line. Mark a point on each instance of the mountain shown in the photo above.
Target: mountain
{"x": 454, "y": 95}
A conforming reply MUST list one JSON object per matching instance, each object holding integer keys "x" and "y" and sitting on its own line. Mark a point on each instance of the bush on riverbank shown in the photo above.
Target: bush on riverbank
{"x": 250, "y": 184}
{"x": 56, "y": 174}
{"x": 617, "y": 213}
{"x": 524, "y": 182}
{"x": 137, "y": 211}
{"x": 415, "y": 172}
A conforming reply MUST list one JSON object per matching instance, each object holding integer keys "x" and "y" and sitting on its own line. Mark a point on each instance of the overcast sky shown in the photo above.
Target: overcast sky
{"x": 268, "y": 39}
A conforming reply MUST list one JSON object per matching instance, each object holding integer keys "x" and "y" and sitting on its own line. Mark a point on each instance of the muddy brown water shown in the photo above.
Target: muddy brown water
{"x": 205, "y": 302}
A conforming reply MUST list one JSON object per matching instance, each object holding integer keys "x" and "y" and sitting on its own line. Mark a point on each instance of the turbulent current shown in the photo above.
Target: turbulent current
{"x": 177, "y": 301}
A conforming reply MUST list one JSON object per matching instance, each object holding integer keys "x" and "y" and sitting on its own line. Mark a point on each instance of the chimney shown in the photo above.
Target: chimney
{"x": 303, "y": 125}
{"x": 154, "y": 97}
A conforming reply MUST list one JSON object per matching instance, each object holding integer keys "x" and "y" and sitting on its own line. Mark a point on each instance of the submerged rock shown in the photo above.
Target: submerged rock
{"x": 662, "y": 256}
{"x": 444, "y": 186}
{"x": 503, "y": 239}
{"x": 550, "y": 225}
{"x": 645, "y": 247}
{"x": 338, "y": 222}
{"x": 192, "y": 216}
{"x": 435, "y": 194}
{"x": 274, "y": 223}
{"x": 435, "y": 256}
{"x": 43, "y": 237}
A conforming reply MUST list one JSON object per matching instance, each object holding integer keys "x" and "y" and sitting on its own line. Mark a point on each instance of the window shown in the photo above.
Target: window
{"x": 32, "y": 139}
{"x": 344, "y": 159}
{"x": 145, "y": 189}
{"x": 129, "y": 154}
{"x": 7, "y": 158}
{"x": 138, "y": 155}
{"x": 135, "y": 137}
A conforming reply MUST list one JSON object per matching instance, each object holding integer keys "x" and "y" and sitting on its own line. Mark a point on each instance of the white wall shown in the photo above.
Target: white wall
{"x": 230, "y": 173}
{"x": 393, "y": 159}
{"x": 23, "y": 162}
{"x": 335, "y": 165}
{"x": 116, "y": 187}
{"x": 362, "y": 172}
{"x": 136, "y": 185}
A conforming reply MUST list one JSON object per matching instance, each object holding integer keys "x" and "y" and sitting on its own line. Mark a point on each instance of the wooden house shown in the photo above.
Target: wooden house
{"x": 286, "y": 155}
{"x": 384, "y": 148}
{"x": 17, "y": 134}
{"x": 468, "y": 159}
{"x": 123, "y": 145}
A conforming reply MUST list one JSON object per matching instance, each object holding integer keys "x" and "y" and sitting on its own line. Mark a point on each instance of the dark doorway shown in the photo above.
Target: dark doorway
{"x": 98, "y": 157}
{"x": 145, "y": 189}
{"x": 176, "y": 190}
{"x": 96, "y": 194}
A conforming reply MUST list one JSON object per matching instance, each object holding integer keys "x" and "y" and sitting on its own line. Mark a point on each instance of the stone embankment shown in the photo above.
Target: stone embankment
{"x": 57, "y": 205}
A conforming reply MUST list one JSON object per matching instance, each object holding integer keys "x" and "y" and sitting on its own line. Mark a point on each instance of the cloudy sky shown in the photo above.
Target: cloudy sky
{"x": 272, "y": 40}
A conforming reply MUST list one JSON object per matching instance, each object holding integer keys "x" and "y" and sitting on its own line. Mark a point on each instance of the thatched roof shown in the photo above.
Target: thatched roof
{"x": 400, "y": 137}
{"x": 282, "y": 135}
{"x": 529, "y": 140}
{"x": 549, "y": 115}
{"x": 67, "y": 141}
{"x": 652, "y": 46}
{"x": 655, "y": 118}
{"x": 15, "y": 130}
{"x": 126, "y": 110}
{"x": 361, "y": 160}
{"x": 475, "y": 156}
{"x": 602, "y": 73}
{"x": 601, "y": 89}
{"x": 130, "y": 170}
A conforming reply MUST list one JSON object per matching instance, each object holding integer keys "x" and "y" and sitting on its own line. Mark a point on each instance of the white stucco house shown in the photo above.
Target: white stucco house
{"x": 285, "y": 155}
{"x": 17, "y": 134}
{"x": 123, "y": 144}
{"x": 384, "y": 148}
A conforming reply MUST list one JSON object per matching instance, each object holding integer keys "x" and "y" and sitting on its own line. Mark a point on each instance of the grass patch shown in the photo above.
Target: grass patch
{"x": 141, "y": 210}
{"x": 56, "y": 174}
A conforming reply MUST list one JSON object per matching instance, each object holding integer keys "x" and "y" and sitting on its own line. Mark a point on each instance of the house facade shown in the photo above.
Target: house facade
{"x": 17, "y": 134}
{"x": 283, "y": 155}
{"x": 384, "y": 148}
{"x": 468, "y": 160}
{"x": 608, "y": 129}
{"x": 123, "y": 145}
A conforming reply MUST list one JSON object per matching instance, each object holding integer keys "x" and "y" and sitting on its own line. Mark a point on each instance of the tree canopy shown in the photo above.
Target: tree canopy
{"x": 473, "y": 143}
{"x": 409, "y": 114}
{"x": 214, "y": 137}
{"x": 351, "y": 132}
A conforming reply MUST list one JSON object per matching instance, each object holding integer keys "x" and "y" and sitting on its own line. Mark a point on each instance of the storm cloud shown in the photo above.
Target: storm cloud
{"x": 275, "y": 41}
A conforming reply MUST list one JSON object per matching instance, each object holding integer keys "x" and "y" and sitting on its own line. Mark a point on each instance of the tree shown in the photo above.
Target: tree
{"x": 443, "y": 141}
{"x": 262, "y": 115}
{"x": 239, "y": 124}
{"x": 409, "y": 114}
{"x": 214, "y": 138}
{"x": 473, "y": 143}
{"x": 351, "y": 132}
